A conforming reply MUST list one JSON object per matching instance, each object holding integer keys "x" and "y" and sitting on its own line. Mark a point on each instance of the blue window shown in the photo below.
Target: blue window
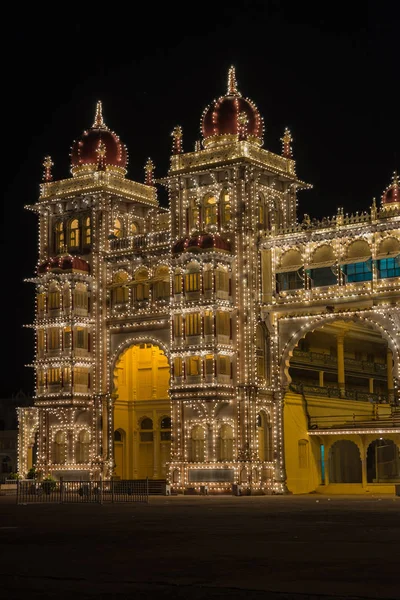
{"x": 292, "y": 280}
{"x": 322, "y": 276}
{"x": 389, "y": 267}
{"x": 361, "y": 271}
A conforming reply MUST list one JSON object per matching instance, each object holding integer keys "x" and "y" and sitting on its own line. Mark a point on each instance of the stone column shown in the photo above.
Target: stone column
{"x": 390, "y": 381}
{"x": 340, "y": 364}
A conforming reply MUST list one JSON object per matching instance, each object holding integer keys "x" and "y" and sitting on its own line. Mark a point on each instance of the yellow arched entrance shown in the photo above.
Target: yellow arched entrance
{"x": 142, "y": 414}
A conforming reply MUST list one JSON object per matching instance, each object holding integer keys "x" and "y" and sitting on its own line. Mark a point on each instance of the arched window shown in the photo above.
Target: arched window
{"x": 118, "y": 228}
{"x": 194, "y": 214}
{"x": 60, "y": 237}
{"x": 226, "y": 211}
{"x": 210, "y": 210}
{"x": 194, "y": 366}
{"x": 81, "y": 337}
{"x": 87, "y": 232}
{"x": 74, "y": 240}
{"x": 197, "y": 444}
{"x": 222, "y": 282}
{"x": 117, "y": 436}
{"x": 161, "y": 285}
{"x": 260, "y": 349}
{"x": 53, "y": 338}
{"x": 82, "y": 447}
{"x": 59, "y": 448}
{"x": 134, "y": 228}
{"x": 178, "y": 282}
{"x": 54, "y": 297}
{"x": 120, "y": 293}
{"x": 66, "y": 297}
{"x": 225, "y": 443}
{"x": 81, "y": 297}
{"x": 142, "y": 287}
{"x": 192, "y": 278}
{"x": 146, "y": 430}
{"x": 265, "y": 442}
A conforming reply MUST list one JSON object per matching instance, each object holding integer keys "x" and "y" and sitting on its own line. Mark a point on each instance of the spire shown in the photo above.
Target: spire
{"x": 98, "y": 120}
{"x": 177, "y": 143}
{"x": 47, "y": 175}
{"x": 232, "y": 83}
{"x": 286, "y": 144}
{"x": 149, "y": 169}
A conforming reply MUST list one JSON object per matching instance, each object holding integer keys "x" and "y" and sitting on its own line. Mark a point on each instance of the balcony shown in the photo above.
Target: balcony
{"x": 319, "y": 359}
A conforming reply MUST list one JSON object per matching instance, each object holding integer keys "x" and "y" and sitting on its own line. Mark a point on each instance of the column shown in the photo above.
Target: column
{"x": 321, "y": 379}
{"x": 390, "y": 381}
{"x": 371, "y": 385}
{"x": 156, "y": 445}
{"x": 340, "y": 363}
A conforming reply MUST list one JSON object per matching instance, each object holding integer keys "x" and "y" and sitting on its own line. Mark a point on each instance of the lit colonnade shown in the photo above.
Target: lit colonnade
{"x": 339, "y": 275}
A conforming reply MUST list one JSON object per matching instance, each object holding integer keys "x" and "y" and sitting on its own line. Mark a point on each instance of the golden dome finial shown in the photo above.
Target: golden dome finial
{"x": 149, "y": 170}
{"x": 47, "y": 163}
{"x": 98, "y": 119}
{"x": 232, "y": 83}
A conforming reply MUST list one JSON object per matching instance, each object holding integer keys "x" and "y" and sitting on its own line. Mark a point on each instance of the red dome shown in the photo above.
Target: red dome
{"x": 392, "y": 192}
{"x": 64, "y": 263}
{"x": 232, "y": 115}
{"x": 98, "y": 149}
{"x": 207, "y": 241}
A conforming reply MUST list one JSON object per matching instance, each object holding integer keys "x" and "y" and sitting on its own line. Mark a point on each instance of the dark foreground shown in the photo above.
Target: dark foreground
{"x": 268, "y": 548}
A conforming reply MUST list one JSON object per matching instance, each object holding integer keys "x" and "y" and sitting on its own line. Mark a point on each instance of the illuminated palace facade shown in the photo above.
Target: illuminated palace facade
{"x": 221, "y": 340}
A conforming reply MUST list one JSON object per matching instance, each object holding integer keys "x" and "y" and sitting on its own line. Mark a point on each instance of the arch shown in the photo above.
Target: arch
{"x": 291, "y": 259}
{"x": 264, "y": 436}
{"x": 134, "y": 228}
{"x": 82, "y": 446}
{"x": 322, "y": 255}
{"x": 119, "y": 452}
{"x": 383, "y": 461}
{"x": 358, "y": 249}
{"x": 388, "y": 246}
{"x": 118, "y": 227}
{"x": 225, "y": 443}
{"x": 197, "y": 444}
{"x": 74, "y": 234}
{"x": 161, "y": 283}
{"x": 211, "y": 210}
{"x": 319, "y": 322}
{"x": 81, "y": 296}
{"x": 59, "y": 448}
{"x": 141, "y": 285}
{"x": 345, "y": 462}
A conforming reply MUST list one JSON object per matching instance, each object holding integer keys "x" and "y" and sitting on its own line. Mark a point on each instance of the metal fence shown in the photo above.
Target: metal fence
{"x": 82, "y": 492}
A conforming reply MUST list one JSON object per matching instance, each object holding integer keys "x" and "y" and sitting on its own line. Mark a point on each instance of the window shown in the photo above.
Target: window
{"x": 177, "y": 325}
{"x": 226, "y": 207}
{"x": 178, "y": 283}
{"x": 81, "y": 376}
{"x": 209, "y": 360}
{"x": 194, "y": 214}
{"x": 146, "y": 430}
{"x": 197, "y": 446}
{"x": 117, "y": 229}
{"x": 120, "y": 295}
{"x": 260, "y": 349}
{"x": 82, "y": 447}
{"x": 117, "y": 436}
{"x": 53, "y": 338}
{"x": 322, "y": 276}
{"x": 192, "y": 282}
{"x": 161, "y": 284}
{"x": 360, "y": 271}
{"x": 194, "y": 365}
{"x": 74, "y": 234}
{"x": 225, "y": 443}
{"x": 192, "y": 322}
{"x": 389, "y": 267}
{"x": 87, "y": 234}
{"x": 142, "y": 287}
{"x": 66, "y": 373}
{"x": 134, "y": 228}
{"x": 59, "y": 448}
{"x": 66, "y": 297}
{"x": 41, "y": 302}
{"x": 60, "y": 237}
{"x": 208, "y": 322}
{"x": 80, "y": 296}
{"x": 208, "y": 280}
{"x": 54, "y": 376}
{"x": 81, "y": 338}
{"x": 264, "y": 431}
{"x": 223, "y": 323}
{"x": 67, "y": 337}
{"x": 211, "y": 211}
{"x": 165, "y": 426}
{"x": 40, "y": 340}
{"x": 291, "y": 280}
{"x": 178, "y": 366}
{"x": 222, "y": 281}
{"x": 54, "y": 297}
{"x": 224, "y": 365}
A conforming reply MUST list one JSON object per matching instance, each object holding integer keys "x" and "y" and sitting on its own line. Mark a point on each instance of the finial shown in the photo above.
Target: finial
{"x": 286, "y": 143}
{"x": 232, "y": 83}
{"x": 243, "y": 121}
{"x": 101, "y": 155}
{"x": 177, "y": 143}
{"x": 47, "y": 163}
{"x": 98, "y": 119}
{"x": 149, "y": 169}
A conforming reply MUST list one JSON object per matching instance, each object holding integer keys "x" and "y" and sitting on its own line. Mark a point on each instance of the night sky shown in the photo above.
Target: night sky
{"x": 331, "y": 75}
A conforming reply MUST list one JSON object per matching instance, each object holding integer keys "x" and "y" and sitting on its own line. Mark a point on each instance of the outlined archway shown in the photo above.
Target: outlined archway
{"x": 345, "y": 462}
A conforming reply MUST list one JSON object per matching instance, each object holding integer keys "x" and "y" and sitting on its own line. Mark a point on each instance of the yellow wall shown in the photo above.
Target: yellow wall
{"x": 141, "y": 379}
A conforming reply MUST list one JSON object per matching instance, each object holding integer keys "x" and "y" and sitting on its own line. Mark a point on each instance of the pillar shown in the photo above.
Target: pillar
{"x": 156, "y": 445}
{"x": 371, "y": 385}
{"x": 340, "y": 363}
{"x": 390, "y": 381}
{"x": 321, "y": 379}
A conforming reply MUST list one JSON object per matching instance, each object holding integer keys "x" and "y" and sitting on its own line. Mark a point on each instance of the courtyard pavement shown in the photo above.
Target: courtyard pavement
{"x": 203, "y": 547}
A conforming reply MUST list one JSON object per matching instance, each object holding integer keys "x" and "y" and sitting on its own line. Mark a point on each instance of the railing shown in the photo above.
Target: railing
{"x": 334, "y": 392}
{"x": 140, "y": 242}
{"x": 30, "y": 491}
{"x": 319, "y": 358}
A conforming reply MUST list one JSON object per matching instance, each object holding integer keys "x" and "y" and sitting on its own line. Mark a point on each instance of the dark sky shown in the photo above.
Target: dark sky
{"x": 329, "y": 73}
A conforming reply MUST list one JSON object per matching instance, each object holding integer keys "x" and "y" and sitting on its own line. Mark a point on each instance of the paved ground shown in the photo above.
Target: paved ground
{"x": 197, "y": 548}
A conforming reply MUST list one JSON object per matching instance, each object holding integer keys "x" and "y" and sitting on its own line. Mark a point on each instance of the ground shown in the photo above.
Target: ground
{"x": 203, "y": 547}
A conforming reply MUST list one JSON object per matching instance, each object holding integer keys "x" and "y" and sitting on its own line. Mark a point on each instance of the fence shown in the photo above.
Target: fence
{"x": 82, "y": 492}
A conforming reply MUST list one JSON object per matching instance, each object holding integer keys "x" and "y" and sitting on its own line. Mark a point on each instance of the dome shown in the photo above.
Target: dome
{"x": 202, "y": 242}
{"x": 392, "y": 193}
{"x": 98, "y": 149}
{"x": 231, "y": 118}
{"x": 64, "y": 263}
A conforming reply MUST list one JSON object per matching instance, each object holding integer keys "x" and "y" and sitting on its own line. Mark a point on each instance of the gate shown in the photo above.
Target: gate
{"x": 82, "y": 492}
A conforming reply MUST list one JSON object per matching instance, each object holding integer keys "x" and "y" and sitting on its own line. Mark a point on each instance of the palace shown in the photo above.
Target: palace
{"x": 218, "y": 341}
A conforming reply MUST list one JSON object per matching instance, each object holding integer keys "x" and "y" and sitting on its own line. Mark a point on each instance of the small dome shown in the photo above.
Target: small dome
{"x": 64, "y": 263}
{"x": 392, "y": 193}
{"x": 201, "y": 243}
{"x": 231, "y": 118}
{"x": 98, "y": 149}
